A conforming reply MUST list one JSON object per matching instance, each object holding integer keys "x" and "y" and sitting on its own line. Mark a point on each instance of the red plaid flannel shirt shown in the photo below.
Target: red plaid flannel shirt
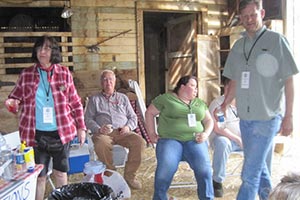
{"x": 67, "y": 103}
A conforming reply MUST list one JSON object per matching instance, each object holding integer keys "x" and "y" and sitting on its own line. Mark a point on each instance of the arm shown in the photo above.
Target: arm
{"x": 150, "y": 115}
{"x": 227, "y": 133}
{"x": 229, "y": 96}
{"x": 287, "y": 122}
{"x": 208, "y": 124}
{"x": 89, "y": 117}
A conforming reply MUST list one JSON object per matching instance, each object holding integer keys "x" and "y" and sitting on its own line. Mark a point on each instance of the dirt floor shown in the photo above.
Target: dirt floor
{"x": 288, "y": 159}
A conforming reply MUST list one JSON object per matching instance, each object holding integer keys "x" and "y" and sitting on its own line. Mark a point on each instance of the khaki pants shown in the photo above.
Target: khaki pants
{"x": 103, "y": 145}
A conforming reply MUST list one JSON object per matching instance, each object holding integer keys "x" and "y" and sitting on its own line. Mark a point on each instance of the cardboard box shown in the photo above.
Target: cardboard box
{"x": 78, "y": 157}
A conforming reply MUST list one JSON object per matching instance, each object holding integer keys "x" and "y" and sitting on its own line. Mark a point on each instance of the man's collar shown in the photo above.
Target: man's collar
{"x": 258, "y": 32}
{"x": 107, "y": 95}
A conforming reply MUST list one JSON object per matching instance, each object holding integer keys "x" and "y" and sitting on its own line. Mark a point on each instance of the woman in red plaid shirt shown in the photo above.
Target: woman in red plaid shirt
{"x": 51, "y": 112}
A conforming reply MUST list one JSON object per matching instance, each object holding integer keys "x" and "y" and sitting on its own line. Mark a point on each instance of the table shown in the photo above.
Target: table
{"x": 23, "y": 186}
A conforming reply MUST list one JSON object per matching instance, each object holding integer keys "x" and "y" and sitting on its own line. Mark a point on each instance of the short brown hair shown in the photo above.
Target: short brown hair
{"x": 244, "y": 3}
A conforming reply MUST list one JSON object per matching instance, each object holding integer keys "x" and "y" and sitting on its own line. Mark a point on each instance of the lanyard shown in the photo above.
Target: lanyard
{"x": 247, "y": 57}
{"x": 233, "y": 111}
{"x": 47, "y": 90}
{"x": 187, "y": 104}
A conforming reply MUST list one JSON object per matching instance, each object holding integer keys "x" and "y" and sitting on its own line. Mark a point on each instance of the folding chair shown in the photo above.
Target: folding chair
{"x": 236, "y": 159}
{"x": 120, "y": 153}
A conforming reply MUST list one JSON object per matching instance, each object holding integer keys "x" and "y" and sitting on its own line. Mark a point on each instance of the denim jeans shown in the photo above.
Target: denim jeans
{"x": 169, "y": 153}
{"x": 222, "y": 147}
{"x": 257, "y": 137}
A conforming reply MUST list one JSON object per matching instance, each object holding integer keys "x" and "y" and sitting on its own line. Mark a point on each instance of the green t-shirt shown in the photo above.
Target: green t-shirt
{"x": 173, "y": 117}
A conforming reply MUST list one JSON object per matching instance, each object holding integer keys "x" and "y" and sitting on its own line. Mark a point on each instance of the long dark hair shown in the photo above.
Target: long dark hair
{"x": 55, "y": 51}
{"x": 183, "y": 81}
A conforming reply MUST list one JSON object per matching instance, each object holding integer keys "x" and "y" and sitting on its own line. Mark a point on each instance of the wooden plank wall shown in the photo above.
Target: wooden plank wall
{"x": 95, "y": 21}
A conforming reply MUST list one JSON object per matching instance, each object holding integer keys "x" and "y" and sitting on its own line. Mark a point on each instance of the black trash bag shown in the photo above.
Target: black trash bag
{"x": 80, "y": 191}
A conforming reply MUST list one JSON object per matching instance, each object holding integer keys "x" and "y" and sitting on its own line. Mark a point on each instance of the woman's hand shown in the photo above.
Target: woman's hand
{"x": 81, "y": 134}
{"x": 201, "y": 137}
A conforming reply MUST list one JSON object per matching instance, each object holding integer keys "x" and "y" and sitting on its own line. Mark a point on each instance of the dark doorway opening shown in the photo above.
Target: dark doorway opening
{"x": 159, "y": 43}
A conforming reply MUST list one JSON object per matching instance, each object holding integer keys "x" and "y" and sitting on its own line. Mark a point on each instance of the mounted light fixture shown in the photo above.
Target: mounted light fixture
{"x": 67, "y": 12}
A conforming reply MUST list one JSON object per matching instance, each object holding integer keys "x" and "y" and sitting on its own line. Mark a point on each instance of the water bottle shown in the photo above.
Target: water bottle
{"x": 6, "y": 160}
{"x": 221, "y": 118}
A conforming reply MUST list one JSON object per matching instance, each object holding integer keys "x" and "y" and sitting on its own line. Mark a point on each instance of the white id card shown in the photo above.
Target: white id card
{"x": 47, "y": 114}
{"x": 245, "y": 80}
{"x": 192, "y": 120}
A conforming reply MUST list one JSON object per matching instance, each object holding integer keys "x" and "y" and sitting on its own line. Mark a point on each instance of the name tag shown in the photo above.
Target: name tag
{"x": 245, "y": 80}
{"x": 191, "y": 120}
{"x": 47, "y": 114}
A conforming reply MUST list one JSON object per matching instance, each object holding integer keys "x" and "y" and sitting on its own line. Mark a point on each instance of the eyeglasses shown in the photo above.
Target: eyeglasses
{"x": 108, "y": 79}
{"x": 47, "y": 49}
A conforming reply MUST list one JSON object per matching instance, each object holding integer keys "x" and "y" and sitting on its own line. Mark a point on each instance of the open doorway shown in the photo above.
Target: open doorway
{"x": 169, "y": 50}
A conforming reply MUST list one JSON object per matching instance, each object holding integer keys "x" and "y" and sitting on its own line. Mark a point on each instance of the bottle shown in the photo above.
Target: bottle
{"x": 28, "y": 156}
{"x": 6, "y": 160}
{"x": 221, "y": 118}
{"x": 3, "y": 144}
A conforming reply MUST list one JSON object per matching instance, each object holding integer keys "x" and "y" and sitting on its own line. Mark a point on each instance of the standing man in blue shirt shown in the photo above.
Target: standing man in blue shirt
{"x": 261, "y": 68}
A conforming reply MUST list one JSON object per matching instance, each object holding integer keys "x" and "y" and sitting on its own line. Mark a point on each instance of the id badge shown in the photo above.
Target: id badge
{"x": 192, "y": 120}
{"x": 245, "y": 80}
{"x": 47, "y": 114}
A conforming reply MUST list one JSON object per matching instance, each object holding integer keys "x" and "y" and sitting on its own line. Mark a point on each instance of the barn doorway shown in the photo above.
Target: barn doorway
{"x": 169, "y": 50}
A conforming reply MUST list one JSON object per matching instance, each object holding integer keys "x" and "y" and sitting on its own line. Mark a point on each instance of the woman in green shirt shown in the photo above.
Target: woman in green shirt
{"x": 184, "y": 126}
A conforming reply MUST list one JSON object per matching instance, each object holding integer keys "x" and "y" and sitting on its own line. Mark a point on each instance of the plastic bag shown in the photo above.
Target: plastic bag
{"x": 86, "y": 190}
{"x": 117, "y": 183}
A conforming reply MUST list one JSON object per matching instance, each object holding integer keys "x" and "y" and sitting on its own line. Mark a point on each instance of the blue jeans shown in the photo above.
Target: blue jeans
{"x": 222, "y": 147}
{"x": 257, "y": 138}
{"x": 169, "y": 153}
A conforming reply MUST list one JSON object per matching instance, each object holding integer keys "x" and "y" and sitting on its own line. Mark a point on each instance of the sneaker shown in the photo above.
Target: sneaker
{"x": 218, "y": 189}
{"x": 134, "y": 184}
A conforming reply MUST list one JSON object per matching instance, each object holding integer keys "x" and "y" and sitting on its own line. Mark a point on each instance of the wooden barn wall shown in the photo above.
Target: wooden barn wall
{"x": 102, "y": 21}
{"x": 95, "y": 21}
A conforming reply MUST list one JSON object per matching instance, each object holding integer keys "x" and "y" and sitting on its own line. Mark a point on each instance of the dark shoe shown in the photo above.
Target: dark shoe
{"x": 218, "y": 189}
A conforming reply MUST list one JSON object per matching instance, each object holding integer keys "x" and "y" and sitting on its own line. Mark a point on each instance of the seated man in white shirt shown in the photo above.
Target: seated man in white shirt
{"x": 224, "y": 140}
{"x": 112, "y": 120}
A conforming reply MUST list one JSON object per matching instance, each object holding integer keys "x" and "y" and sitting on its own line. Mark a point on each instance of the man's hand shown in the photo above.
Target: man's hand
{"x": 124, "y": 130}
{"x": 106, "y": 129}
{"x": 286, "y": 126}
